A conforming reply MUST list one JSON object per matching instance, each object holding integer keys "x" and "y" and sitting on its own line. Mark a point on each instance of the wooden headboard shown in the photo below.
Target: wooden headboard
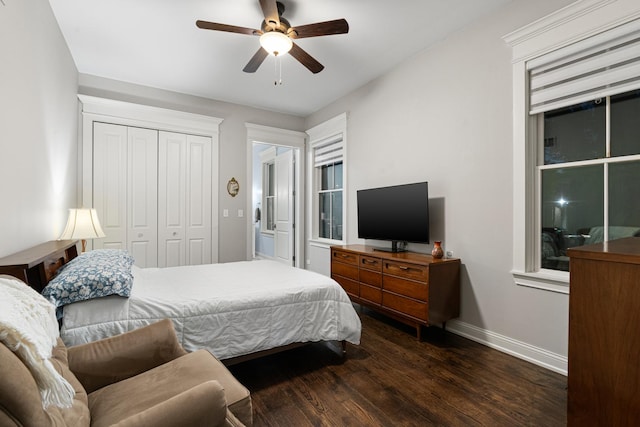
{"x": 37, "y": 265}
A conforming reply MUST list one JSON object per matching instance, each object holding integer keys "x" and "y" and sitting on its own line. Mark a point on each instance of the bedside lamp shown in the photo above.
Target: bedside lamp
{"x": 82, "y": 224}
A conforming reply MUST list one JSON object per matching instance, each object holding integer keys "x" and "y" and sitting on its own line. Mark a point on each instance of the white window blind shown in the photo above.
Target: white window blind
{"x": 328, "y": 151}
{"x": 603, "y": 65}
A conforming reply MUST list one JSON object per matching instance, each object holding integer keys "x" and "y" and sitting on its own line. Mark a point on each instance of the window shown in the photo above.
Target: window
{"x": 267, "y": 159}
{"x": 330, "y": 201}
{"x": 588, "y": 167}
{"x": 269, "y": 195}
{"x": 327, "y": 180}
{"x": 562, "y": 64}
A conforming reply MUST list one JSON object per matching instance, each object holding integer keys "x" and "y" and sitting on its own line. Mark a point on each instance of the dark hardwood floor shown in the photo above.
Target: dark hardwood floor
{"x": 391, "y": 379}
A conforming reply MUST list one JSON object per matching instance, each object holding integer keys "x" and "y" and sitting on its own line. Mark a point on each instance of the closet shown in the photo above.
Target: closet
{"x": 152, "y": 182}
{"x": 152, "y": 192}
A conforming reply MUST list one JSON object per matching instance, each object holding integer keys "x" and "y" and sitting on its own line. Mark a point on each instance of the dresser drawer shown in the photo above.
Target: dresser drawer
{"x": 351, "y": 287}
{"x": 416, "y": 309}
{"x": 408, "y": 288}
{"x": 370, "y": 263}
{"x": 346, "y": 270}
{"x": 407, "y": 270}
{"x": 345, "y": 257}
{"x": 371, "y": 278}
{"x": 371, "y": 294}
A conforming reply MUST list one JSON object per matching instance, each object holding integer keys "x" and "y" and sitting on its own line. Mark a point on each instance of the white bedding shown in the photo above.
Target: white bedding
{"x": 231, "y": 309}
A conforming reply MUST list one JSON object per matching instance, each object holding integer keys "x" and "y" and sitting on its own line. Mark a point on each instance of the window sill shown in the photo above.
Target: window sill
{"x": 546, "y": 280}
{"x": 324, "y": 243}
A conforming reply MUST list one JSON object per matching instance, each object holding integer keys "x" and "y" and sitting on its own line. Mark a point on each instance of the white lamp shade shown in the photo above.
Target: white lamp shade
{"x": 275, "y": 43}
{"x": 82, "y": 224}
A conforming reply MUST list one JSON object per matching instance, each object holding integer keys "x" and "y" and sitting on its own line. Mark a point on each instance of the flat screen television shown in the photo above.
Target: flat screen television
{"x": 398, "y": 213}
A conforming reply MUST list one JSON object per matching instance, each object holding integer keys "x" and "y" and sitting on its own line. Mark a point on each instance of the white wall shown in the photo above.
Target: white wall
{"x": 38, "y": 126}
{"x": 233, "y": 143}
{"x": 445, "y": 116}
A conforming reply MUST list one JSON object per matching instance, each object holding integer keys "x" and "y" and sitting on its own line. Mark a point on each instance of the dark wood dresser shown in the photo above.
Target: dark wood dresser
{"x": 604, "y": 334}
{"x": 37, "y": 265}
{"x": 413, "y": 288}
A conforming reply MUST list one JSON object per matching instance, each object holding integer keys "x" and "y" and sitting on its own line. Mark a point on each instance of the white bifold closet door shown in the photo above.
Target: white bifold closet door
{"x": 110, "y": 184}
{"x": 125, "y": 189}
{"x": 142, "y": 196}
{"x": 152, "y": 192}
{"x": 184, "y": 199}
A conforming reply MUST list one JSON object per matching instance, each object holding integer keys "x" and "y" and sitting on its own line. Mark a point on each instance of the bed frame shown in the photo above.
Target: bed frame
{"x": 36, "y": 266}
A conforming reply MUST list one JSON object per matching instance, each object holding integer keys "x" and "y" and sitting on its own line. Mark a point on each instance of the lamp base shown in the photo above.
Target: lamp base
{"x": 84, "y": 245}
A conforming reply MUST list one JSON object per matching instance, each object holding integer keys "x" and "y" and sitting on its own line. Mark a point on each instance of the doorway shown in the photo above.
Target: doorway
{"x": 274, "y": 202}
{"x": 275, "y": 169}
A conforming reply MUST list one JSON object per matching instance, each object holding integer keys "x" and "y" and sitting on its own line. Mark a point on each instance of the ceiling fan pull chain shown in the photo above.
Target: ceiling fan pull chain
{"x": 277, "y": 71}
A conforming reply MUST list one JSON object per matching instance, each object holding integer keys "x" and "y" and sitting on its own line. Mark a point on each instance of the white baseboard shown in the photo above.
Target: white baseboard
{"x": 519, "y": 349}
{"x": 262, "y": 256}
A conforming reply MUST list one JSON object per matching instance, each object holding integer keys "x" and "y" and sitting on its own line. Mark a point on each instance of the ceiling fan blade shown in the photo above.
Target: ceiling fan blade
{"x": 338, "y": 26}
{"x": 270, "y": 11}
{"x": 305, "y": 59}
{"x": 205, "y": 25}
{"x": 255, "y": 61}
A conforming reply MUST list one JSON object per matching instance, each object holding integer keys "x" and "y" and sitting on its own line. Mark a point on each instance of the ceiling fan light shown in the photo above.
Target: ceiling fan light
{"x": 276, "y": 43}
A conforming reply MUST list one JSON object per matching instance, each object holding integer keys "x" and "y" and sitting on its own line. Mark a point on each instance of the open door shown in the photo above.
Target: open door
{"x": 284, "y": 212}
{"x": 282, "y": 219}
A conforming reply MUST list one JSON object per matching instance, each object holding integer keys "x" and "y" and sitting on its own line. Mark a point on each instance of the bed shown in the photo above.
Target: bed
{"x": 235, "y": 310}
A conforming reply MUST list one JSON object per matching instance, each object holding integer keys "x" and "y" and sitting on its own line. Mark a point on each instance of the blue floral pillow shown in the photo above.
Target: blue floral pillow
{"x": 93, "y": 274}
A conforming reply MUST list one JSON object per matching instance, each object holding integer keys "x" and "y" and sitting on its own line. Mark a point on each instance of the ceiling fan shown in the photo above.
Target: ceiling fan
{"x": 277, "y": 35}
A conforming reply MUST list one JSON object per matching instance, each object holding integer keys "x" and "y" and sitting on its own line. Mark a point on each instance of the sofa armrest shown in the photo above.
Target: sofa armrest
{"x": 113, "y": 359}
{"x": 202, "y": 405}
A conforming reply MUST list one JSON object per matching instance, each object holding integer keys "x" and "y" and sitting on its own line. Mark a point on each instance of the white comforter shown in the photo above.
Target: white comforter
{"x": 231, "y": 309}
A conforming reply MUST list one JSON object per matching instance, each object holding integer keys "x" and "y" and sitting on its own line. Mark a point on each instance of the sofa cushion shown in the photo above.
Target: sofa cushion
{"x": 126, "y": 399}
{"x": 20, "y": 399}
{"x": 113, "y": 359}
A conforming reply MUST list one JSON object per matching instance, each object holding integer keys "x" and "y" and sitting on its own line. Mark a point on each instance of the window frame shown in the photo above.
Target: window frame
{"x": 330, "y": 191}
{"x": 605, "y": 161}
{"x": 318, "y": 135}
{"x": 575, "y": 22}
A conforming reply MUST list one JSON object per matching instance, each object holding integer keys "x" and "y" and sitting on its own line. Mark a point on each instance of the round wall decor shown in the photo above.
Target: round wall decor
{"x": 233, "y": 188}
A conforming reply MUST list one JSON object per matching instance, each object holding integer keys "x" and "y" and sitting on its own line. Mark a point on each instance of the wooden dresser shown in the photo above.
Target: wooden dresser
{"x": 604, "y": 334}
{"x": 37, "y": 265}
{"x": 410, "y": 287}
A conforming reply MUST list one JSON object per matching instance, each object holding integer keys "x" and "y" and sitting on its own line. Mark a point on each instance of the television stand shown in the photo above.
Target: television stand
{"x": 396, "y": 246}
{"x": 413, "y": 288}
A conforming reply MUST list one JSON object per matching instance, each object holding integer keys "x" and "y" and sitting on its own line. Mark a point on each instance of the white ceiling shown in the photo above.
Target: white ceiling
{"x": 156, "y": 43}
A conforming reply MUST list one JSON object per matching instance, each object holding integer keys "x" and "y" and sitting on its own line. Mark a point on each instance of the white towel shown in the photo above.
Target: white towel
{"x": 29, "y": 328}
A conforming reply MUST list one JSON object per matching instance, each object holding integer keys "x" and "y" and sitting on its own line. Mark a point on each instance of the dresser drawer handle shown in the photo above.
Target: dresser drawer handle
{"x": 403, "y": 267}
{"x": 367, "y": 261}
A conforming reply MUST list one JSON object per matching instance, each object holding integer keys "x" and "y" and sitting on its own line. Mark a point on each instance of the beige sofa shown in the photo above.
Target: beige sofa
{"x": 140, "y": 378}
